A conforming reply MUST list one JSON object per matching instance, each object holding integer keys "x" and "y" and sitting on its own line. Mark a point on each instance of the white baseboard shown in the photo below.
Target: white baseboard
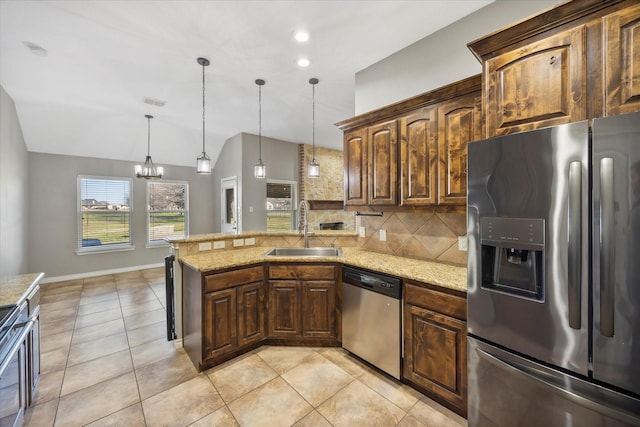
{"x": 99, "y": 273}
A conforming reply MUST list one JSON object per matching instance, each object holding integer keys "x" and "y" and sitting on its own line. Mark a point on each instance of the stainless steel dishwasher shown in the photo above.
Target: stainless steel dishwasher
{"x": 371, "y": 317}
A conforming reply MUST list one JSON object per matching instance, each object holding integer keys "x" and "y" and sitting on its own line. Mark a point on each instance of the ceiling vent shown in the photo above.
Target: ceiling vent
{"x": 154, "y": 102}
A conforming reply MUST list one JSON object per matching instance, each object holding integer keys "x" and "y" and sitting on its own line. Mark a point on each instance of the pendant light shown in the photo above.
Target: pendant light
{"x": 314, "y": 167}
{"x": 260, "y": 170}
{"x": 203, "y": 162}
{"x": 149, "y": 171}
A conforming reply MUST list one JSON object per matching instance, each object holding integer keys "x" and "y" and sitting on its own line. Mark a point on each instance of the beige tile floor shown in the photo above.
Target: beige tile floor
{"x": 106, "y": 361}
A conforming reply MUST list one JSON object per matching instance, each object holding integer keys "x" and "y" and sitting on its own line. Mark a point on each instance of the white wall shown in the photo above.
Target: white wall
{"x": 53, "y": 213}
{"x": 14, "y": 180}
{"x": 281, "y": 159}
{"x": 228, "y": 164}
{"x": 237, "y": 158}
{"x": 438, "y": 59}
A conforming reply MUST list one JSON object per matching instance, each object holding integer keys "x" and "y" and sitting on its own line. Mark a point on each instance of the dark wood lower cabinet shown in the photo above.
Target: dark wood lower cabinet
{"x": 435, "y": 345}
{"x": 250, "y": 312}
{"x": 302, "y": 301}
{"x": 284, "y": 309}
{"x": 230, "y": 312}
{"x": 223, "y": 314}
{"x": 319, "y": 309}
{"x": 220, "y": 326}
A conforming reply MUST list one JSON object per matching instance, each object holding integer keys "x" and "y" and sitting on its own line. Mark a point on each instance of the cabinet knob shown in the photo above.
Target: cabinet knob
{"x": 552, "y": 60}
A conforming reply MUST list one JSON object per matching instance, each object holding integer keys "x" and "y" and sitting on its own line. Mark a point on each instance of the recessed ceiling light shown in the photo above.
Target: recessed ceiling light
{"x": 303, "y": 62}
{"x": 301, "y": 36}
{"x": 35, "y": 49}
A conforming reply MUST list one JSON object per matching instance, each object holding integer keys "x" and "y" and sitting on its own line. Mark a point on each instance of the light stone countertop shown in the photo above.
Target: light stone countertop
{"x": 15, "y": 289}
{"x": 221, "y": 236}
{"x": 440, "y": 274}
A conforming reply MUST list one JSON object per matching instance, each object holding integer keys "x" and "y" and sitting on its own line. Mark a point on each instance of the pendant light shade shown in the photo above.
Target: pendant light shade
{"x": 314, "y": 167}
{"x": 203, "y": 162}
{"x": 259, "y": 169}
{"x": 148, "y": 170}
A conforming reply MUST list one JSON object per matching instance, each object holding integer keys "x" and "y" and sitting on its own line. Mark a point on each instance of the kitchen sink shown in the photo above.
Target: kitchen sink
{"x": 304, "y": 252}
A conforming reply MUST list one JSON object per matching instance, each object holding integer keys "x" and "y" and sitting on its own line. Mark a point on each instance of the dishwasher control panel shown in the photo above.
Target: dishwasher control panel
{"x": 373, "y": 281}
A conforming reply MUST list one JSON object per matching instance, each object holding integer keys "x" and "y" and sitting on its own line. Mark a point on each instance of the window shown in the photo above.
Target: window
{"x": 104, "y": 212}
{"x": 281, "y": 205}
{"x": 168, "y": 210}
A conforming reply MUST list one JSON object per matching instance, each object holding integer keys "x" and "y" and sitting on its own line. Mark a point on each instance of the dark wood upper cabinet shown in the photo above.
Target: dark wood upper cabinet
{"x": 577, "y": 61}
{"x": 538, "y": 85}
{"x": 383, "y": 163}
{"x": 459, "y": 123}
{"x": 396, "y": 152}
{"x": 355, "y": 168}
{"x": 622, "y": 61}
{"x": 419, "y": 158}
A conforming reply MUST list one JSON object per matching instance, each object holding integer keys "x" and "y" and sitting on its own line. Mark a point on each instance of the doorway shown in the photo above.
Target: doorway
{"x": 229, "y": 206}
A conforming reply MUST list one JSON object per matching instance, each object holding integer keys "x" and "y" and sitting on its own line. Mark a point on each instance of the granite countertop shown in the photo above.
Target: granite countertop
{"x": 222, "y": 236}
{"x": 445, "y": 275}
{"x": 15, "y": 289}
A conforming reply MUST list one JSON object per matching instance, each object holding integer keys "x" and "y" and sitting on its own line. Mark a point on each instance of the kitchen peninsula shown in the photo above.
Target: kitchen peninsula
{"x": 237, "y": 299}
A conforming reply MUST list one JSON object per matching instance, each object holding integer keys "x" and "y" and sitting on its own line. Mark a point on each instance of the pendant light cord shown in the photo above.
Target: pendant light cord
{"x": 313, "y": 122}
{"x": 203, "y": 65}
{"x": 148, "y": 136}
{"x": 260, "y": 123}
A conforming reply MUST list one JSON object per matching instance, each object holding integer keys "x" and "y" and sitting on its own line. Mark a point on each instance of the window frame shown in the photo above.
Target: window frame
{"x": 294, "y": 202}
{"x": 116, "y": 247}
{"x": 161, "y": 243}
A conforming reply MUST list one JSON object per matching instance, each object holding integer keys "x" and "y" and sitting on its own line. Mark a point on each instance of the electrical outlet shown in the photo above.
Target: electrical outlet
{"x": 238, "y": 242}
{"x": 383, "y": 235}
{"x": 462, "y": 243}
{"x": 361, "y": 231}
{"x": 218, "y": 244}
{"x": 250, "y": 209}
{"x": 205, "y": 246}
{"x": 250, "y": 241}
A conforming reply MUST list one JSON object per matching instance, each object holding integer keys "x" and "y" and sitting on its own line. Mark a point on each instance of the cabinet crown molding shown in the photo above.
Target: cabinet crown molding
{"x": 445, "y": 93}
{"x": 528, "y": 29}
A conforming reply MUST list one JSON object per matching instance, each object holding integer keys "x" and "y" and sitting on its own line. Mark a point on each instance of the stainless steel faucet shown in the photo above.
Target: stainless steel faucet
{"x": 302, "y": 222}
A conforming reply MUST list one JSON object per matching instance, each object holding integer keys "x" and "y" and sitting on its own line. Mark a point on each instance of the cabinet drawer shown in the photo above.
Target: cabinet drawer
{"x": 438, "y": 301}
{"x": 219, "y": 281}
{"x": 301, "y": 272}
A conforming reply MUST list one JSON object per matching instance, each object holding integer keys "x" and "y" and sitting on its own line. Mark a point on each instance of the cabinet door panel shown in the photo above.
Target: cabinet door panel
{"x": 541, "y": 84}
{"x": 284, "y": 309}
{"x": 435, "y": 354}
{"x": 250, "y": 313}
{"x": 355, "y": 168}
{"x": 383, "y": 166}
{"x": 458, "y": 124}
{"x": 418, "y": 159}
{"x": 622, "y": 61}
{"x": 319, "y": 309}
{"x": 220, "y": 330}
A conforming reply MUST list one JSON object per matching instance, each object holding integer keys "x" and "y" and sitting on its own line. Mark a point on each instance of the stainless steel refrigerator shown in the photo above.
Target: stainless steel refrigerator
{"x": 554, "y": 276}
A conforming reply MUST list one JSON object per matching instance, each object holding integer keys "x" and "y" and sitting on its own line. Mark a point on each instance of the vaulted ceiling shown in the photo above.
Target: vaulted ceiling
{"x": 79, "y": 71}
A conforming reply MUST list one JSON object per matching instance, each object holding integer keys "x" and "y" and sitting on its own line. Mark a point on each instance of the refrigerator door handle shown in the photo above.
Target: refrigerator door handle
{"x": 606, "y": 246}
{"x": 555, "y": 383}
{"x": 575, "y": 244}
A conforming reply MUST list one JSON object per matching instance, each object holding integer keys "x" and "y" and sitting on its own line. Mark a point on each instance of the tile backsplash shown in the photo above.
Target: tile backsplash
{"x": 427, "y": 234}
